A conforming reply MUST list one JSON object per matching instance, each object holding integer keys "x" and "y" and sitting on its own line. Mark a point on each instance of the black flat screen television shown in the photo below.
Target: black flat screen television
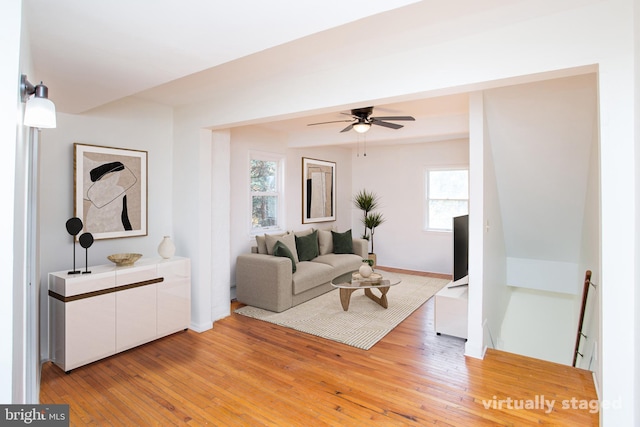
{"x": 460, "y": 247}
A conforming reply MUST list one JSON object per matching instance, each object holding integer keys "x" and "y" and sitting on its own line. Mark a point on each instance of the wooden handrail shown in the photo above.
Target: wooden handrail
{"x": 585, "y": 294}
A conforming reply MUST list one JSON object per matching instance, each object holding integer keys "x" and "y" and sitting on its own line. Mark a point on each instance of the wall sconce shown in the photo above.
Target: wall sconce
{"x": 39, "y": 111}
{"x": 361, "y": 126}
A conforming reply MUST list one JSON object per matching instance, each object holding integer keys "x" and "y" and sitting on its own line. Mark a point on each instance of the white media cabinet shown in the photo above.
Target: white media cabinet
{"x": 451, "y": 305}
{"x": 112, "y": 309}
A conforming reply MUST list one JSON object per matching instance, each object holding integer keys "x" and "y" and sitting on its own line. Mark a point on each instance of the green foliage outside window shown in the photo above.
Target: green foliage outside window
{"x": 264, "y": 193}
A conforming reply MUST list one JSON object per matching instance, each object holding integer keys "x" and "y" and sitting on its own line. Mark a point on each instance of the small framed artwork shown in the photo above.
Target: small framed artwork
{"x": 318, "y": 190}
{"x": 110, "y": 190}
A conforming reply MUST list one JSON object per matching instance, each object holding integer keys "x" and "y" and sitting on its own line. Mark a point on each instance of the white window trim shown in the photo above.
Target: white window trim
{"x": 425, "y": 193}
{"x": 280, "y": 159}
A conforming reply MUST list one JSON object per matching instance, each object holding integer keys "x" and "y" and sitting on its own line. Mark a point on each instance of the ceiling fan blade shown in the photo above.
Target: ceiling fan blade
{"x": 409, "y": 118}
{"x": 385, "y": 124}
{"x": 324, "y": 123}
{"x": 363, "y": 115}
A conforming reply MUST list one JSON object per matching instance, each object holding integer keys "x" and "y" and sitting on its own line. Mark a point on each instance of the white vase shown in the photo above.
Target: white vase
{"x": 365, "y": 270}
{"x": 166, "y": 248}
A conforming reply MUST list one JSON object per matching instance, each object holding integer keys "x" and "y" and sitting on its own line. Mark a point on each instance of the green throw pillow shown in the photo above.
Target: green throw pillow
{"x": 342, "y": 242}
{"x": 307, "y": 246}
{"x": 280, "y": 249}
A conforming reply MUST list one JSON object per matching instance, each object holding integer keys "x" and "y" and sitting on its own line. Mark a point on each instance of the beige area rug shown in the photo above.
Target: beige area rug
{"x": 365, "y": 323}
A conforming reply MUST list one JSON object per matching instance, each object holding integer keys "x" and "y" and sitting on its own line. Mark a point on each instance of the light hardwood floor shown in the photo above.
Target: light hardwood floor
{"x": 248, "y": 372}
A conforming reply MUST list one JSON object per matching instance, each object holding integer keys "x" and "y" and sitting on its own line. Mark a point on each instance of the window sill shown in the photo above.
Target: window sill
{"x": 274, "y": 230}
{"x": 436, "y": 230}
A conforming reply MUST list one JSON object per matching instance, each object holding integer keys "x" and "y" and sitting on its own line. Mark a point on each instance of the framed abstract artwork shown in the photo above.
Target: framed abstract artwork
{"x": 110, "y": 190}
{"x": 318, "y": 190}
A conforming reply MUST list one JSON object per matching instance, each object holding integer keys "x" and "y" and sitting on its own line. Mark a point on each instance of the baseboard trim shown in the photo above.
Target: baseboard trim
{"x": 201, "y": 327}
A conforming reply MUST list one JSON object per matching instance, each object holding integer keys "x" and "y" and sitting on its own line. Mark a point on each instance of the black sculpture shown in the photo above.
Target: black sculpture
{"x": 86, "y": 240}
{"x": 74, "y": 226}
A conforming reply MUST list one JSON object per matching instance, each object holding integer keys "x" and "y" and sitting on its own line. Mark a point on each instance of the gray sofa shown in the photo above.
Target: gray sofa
{"x": 266, "y": 279}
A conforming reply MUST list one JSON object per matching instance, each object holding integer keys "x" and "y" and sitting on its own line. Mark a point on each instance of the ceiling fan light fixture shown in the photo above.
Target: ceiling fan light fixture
{"x": 362, "y": 120}
{"x": 361, "y": 127}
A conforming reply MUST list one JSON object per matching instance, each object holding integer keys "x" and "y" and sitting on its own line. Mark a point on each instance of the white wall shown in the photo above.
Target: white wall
{"x": 220, "y": 190}
{"x": 124, "y": 124}
{"x": 397, "y": 175}
{"x": 477, "y": 332}
{"x": 495, "y": 293}
{"x": 540, "y": 324}
{"x": 193, "y": 190}
{"x": 637, "y": 196}
{"x": 10, "y": 318}
{"x": 541, "y": 137}
{"x": 252, "y": 138}
{"x": 591, "y": 346}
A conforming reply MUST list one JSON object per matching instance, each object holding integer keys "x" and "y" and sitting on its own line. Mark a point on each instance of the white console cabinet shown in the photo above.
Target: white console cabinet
{"x": 112, "y": 309}
{"x": 451, "y": 306}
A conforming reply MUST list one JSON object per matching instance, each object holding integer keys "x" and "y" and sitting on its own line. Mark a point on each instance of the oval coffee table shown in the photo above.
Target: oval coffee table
{"x": 350, "y": 282}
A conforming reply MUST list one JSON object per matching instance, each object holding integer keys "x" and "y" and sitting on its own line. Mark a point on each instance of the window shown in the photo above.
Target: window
{"x": 447, "y": 196}
{"x": 266, "y": 171}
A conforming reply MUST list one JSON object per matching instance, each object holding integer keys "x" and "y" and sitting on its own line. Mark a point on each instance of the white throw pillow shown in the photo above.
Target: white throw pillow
{"x": 325, "y": 242}
{"x": 288, "y": 239}
{"x": 262, "y": 243}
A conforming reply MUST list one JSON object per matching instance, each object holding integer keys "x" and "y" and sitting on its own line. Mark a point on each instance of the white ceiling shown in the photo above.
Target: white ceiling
{"x": 90, "y": 53}
{"x": 437, "y": 119}
{"x": 93, "y": 53}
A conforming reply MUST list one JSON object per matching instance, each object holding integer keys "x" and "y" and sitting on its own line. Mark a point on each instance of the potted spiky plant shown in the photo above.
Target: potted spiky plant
{"x": 367, "y": 202}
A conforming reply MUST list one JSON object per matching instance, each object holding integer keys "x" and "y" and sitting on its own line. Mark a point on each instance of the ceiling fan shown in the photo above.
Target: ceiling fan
{"x": 361, "y": 120}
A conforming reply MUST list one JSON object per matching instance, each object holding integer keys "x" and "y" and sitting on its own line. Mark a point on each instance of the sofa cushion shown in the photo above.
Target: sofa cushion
{"x": 261, "y": 244}
{"x": 280, "y": 249}
{"x": 325, "y": 242}
{"x": 261, "y": 241}
{"x": 342, "y": 263}
{"x": 307, "y": 246}
{"x": 303, "y": 232}
{"x": 311, "y": 274}
{"x": 288, "y": 239}
{"x": 342, "y": 242}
